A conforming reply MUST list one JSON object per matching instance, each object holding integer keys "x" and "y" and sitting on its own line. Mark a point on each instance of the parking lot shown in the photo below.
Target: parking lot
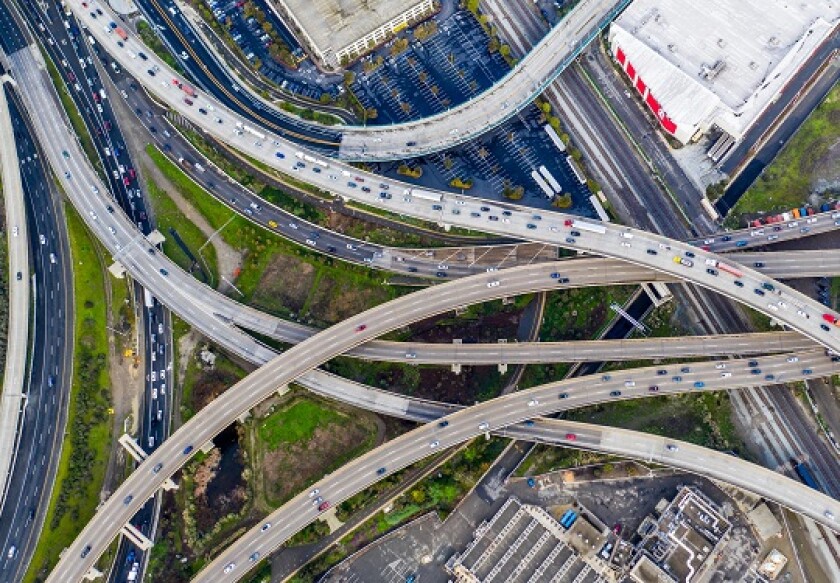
{"x": 304, "y": 80}
{"x": 445, "y": 69}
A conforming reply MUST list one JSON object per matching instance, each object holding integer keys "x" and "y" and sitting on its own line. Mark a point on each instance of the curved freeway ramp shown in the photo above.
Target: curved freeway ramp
{"x": 506, "y": 98}
{"x": 505, "y": 415}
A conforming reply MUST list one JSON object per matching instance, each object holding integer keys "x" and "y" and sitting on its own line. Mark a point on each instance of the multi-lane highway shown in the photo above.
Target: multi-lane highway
{"x": 516, "y": 408}
{"x": 49, "y": 356}
{"x": 810, "y": 325}
{"x": 456, "y": 126}
{"x": 658, "y": 253}
{"x": 14, "y": 376}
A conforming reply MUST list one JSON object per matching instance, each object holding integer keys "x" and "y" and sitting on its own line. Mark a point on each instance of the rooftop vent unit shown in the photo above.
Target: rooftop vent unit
{"x": 709, "y": 73}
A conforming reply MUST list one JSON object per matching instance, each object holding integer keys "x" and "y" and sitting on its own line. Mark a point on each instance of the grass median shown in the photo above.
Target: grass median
{"x": 277, "y": 275}
{"x": 201, "y": 258}
{"x": 84, "y": 455}
{"x": 809, "y": 157}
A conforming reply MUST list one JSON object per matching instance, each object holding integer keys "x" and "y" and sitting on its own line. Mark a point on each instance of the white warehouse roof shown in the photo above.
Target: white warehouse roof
{"x": 717, "y": 61}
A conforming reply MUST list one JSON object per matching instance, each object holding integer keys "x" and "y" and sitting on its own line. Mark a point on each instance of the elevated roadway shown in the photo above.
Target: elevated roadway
{"x": 655, "y": 252}
{"x": 49, "y": 357}
{"x": 506, "y": 98}
{"x": 431, "y": 134}
{"x": 651, "y": 448}
{"x": 309, "y": 353}
{"x": 219, "y": 310}
{"x": 13, "y": 397}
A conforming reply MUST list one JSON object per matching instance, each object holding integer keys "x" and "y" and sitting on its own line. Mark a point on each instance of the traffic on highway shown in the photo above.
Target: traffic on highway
{"x": 91, "y": 57}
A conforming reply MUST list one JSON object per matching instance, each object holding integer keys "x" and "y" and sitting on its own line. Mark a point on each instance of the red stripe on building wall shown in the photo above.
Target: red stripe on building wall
{"x": 640, "y": 86}
{"x": 631, "y": 72}
{"x": 619, "y": 54}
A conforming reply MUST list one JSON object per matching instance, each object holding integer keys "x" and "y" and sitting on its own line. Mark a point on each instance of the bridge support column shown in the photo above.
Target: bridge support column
{"x": 169, "y": 485}
{"x": 502, "y": 365}
{"x": 658, "y": 293}
{"x": 117, "y": 269}
{"x": 156, "y": 237}
{"x": 132, "y": 447}
{"x": 283, "y": 390}
{"x": 456, "y": 368}
{"x": 136, "y": 537}
{"x": 92, "y": 574}
{"x": 207, "y": 447}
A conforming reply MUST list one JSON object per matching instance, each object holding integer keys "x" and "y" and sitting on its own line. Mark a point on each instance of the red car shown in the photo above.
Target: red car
{"x": 571, "y": 436}
{"x": 324, "y": 506}
{"x": 568, "y": 222}
{"x": 361, "y": 327}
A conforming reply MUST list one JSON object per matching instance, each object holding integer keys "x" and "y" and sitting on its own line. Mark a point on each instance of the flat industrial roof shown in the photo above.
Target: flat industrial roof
{"x": 733, "y": 52}
{"x": 335, "y": 24}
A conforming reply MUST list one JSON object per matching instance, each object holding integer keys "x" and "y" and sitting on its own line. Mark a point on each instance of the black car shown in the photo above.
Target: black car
{"x": 615, "y": 394}
{"x": 443, "y": 424}
{"x": 759, "y": 292}
{"x": 662, "y": 372}
{"x": 163, "y": 272}
{"x": 412, "y": 270}
{"x": 689, "y": 254}
{"x": 441, "y": 274}
{"x": 753, "y": 363}
{"x": 759, "y": 264}
{"x": 739, "y": 283}
{"x": 563, "y": 396}
{"x": 575, "y": 233}
{"x": 711, "y": 271}
{"x": 380, "y": 471}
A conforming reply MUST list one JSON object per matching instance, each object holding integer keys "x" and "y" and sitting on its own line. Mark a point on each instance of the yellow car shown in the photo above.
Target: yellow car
{"x": 272, "y": 224}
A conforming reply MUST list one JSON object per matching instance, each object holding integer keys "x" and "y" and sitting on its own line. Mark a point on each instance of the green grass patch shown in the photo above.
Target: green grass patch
{"x": 84, "y": 456}
{"x": 704, "y": 418}
{"x": 295, "y": 423}
{"x": 262, "y": 246}
{"x": 787, "y": 182}
{"x": 79, "y": 125}
{"x": 169, "y": 216}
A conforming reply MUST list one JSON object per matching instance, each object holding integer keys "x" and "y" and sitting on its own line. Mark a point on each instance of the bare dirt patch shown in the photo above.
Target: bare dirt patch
{"x": 210, "y": 384}
{"x": 336, "y": 301}
{"x": 282, "y": 472}
{"x": 284, "y": 285}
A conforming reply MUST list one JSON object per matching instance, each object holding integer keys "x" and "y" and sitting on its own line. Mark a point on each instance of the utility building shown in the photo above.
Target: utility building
{"x": 340, "y": 31}
{"x": 719, "y": 63}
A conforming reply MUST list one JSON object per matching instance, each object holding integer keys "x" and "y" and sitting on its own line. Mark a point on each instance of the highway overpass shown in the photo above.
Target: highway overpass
{"x": 634, "y": 444}
{"x": 343, "y": 336}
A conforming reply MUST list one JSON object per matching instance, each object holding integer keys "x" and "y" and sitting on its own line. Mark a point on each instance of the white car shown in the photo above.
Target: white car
{"x": 314, "y": 493}
{"x": 720, "y": 365}
{"x": 15, "y": 231}
{"x": 229, "y": 567}
{"x": 483, "y": 426}
{"x": 533, "y": 403}
{"x": 42, "y": 239}
{"x": 793, "y": 359}
{"x": 434, "y": 444}
{"x": 494, "y": 283}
